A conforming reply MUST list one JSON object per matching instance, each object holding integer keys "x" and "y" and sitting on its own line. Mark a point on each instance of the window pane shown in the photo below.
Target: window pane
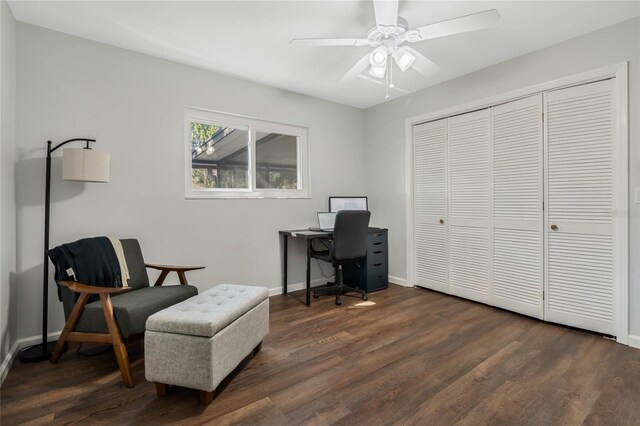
{"x": 276, "y": 161}
{"x": 219, "y": 157}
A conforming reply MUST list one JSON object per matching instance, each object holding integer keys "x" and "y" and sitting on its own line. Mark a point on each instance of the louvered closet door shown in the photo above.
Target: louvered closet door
{"x": 518, "y": 239}
{"x": 580, "y": 259}
{"x": 469, "y": 242}
{"x": 430, "y": 205}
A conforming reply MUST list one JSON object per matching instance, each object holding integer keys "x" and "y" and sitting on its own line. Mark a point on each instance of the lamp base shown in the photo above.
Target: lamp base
{"x": 37, "y": 353}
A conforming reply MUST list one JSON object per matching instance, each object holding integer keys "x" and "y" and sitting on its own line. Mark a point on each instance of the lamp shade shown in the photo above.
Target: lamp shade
{"x": 85, "y": 165}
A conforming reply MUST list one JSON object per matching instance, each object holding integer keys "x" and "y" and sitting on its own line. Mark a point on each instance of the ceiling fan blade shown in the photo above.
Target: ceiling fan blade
{"x": 464, "y": 24}
{"x": 386, "y": 12}
{"x": 422, "y": 64}
{"x": 373, "y": 80}
{"x": 331, "y": 41}
{"x": 355, "y": 71}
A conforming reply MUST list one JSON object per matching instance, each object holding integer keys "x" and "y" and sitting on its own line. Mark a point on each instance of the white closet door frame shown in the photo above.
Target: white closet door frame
{"x": 621, "y": 224}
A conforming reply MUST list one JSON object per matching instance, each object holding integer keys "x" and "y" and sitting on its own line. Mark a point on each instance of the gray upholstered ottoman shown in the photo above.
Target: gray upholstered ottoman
{"x": 198, "y": 342}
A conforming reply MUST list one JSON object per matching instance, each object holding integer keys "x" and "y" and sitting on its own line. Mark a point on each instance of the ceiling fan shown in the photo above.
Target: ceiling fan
{"x": 389, "y": 35}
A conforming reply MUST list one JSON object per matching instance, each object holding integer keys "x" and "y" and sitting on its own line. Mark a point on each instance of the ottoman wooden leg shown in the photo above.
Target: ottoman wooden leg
{"x": 161, "y": 389}
{"x": 206, "y": 397}
{"x": 257, "y": 348}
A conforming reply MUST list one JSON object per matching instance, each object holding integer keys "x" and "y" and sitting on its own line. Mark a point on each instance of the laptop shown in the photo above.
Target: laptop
{"x": 326, "y": 222}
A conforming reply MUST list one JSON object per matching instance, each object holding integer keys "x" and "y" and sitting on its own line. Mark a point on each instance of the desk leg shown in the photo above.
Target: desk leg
{"x": 285, "y": 261}
{"x": 308, "y": 272}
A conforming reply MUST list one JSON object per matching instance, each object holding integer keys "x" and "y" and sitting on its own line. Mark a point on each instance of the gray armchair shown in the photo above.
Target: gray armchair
{"x": 120, "y": 313}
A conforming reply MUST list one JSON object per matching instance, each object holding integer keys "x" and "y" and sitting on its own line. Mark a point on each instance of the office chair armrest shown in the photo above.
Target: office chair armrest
{"x": 92, "y": 289}
{"x": 165, "y": 269}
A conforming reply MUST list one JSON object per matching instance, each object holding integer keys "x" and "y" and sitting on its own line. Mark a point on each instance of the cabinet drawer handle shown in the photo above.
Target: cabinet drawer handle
{"x": 380, "y": 276}
{"x": 377, "y": 244}
{"x": 554, "y": 227}
{"x": 377, "y": 264}
{"x": 441, "y": 221}
{"x": 376, "y": 252}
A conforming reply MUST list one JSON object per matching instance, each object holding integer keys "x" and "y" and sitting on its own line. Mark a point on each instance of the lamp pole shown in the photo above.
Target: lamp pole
{"x": 42, "y": 351}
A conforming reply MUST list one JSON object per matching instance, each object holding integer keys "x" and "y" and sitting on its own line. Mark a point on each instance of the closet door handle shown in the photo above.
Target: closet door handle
{"x": 441, "y": 221}
{"x": 554, "y": 227}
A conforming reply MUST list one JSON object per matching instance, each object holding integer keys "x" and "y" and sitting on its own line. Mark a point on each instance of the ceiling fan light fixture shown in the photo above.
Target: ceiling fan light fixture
{"x": 378, "y": 57}
{"x": 404, "y": 59}
{"x": 377, "y": 72}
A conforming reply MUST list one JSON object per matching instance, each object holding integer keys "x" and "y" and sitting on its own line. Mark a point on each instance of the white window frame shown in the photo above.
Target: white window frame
{"x": 252, "y": 125}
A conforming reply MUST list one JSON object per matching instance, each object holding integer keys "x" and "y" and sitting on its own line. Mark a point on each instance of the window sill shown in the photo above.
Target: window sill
{"x": 244, "y": 196}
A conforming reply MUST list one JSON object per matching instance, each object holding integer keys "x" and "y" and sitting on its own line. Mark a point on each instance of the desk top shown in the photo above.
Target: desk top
{"x": 308, "y": 235}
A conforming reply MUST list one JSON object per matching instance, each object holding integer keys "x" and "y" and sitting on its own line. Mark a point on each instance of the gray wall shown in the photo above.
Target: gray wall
{"x": 8, "y": 321}
{"x": 385, "y": 127}
{"x": 133, "y": 105}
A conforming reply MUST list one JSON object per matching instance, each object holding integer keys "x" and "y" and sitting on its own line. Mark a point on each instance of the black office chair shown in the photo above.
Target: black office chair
{"x": 348, "y": 245}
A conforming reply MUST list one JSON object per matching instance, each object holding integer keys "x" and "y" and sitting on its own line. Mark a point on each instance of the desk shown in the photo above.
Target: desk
{"x": 308, "y": 236}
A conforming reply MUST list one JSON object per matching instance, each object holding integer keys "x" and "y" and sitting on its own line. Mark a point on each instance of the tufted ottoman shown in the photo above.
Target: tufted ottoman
{"x": 198, "y": 342}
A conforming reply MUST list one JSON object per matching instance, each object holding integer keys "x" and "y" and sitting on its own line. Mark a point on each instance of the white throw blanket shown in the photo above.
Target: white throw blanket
{"x": 117, "y": 246}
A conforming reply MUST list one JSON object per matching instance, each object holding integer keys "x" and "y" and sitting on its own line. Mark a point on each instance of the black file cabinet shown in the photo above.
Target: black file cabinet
{"x": 373, "y": 273}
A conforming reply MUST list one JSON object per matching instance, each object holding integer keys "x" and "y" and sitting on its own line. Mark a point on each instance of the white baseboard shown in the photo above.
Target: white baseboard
{"x": 400, "y": 281}
{"x": 274, "y": 291}
{"x": 17, "y": 346}
{"x": 634, "y": 341}
{"x": 7, "y": 362}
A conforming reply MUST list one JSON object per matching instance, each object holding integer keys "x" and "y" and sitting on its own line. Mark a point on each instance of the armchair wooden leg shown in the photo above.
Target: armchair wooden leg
{"x": 69, "y": 326}
{"x": 118, "y": 345}
{"x": 257, "y": 348}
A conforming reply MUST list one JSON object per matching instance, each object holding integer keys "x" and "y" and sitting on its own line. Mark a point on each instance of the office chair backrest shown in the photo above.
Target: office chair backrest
{"x": 350, "y": 234}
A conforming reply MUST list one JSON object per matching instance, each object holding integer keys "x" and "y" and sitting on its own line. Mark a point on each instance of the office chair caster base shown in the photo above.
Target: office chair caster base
{"x": 365, "y": 297}
{"x": 315, "y": 294}
{"x": 338, "y": 302}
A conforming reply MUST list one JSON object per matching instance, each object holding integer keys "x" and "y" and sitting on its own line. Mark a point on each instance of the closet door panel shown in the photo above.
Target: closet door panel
{"x": 518, "y": 239}
{"x": 430, "y": 205}
{"x": 580, "y": 175}
{"x": 469, "y": 274}
{"x": 469, "y": 186}
{"x": 580, "y": 281}
{"x": 517, "y": 274}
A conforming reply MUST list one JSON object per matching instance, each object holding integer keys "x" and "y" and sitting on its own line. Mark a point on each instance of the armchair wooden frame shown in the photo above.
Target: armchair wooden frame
{"x": 114, "y": 336}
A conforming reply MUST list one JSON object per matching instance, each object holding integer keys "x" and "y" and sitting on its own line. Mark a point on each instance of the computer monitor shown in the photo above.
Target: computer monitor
{"x": 348, "y": 203}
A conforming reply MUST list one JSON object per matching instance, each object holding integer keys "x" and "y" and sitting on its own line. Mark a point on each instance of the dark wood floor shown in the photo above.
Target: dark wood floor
{"x": 408, "y": 356}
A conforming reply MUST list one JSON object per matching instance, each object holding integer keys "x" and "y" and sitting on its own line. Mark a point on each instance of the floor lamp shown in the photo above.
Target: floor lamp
{"x": 78, "y": 164}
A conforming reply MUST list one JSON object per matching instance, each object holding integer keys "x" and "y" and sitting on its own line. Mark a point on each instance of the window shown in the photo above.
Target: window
{"x": 229, "y": 156}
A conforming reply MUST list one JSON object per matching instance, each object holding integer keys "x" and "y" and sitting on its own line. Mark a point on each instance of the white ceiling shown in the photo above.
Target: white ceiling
{"x": 250, "y": 40}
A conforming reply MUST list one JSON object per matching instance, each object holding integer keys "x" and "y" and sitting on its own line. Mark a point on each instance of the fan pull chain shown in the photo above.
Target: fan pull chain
{"x": 391, "y": 85}
{"x": 386, "y": 86}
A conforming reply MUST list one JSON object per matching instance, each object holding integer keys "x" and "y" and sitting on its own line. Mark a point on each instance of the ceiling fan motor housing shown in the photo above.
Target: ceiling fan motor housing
{"x": 388, "y": 34}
